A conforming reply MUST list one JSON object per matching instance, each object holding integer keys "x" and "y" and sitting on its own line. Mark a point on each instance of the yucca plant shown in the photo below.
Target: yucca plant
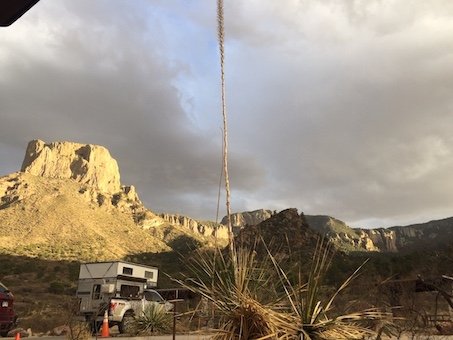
{"x": 237, "y": 292}
{"x": 256, "y": 299}
{"x": 313, "y": 313}
{"x": 154, "y": 320}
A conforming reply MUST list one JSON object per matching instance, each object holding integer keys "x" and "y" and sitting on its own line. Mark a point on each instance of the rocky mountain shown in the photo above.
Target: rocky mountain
{"x": 53, "y": 218}
{"x": 285, "y": 234}
{"x": 248, "y": 218}
{"x": 393, "y": 239}
{"x": 67, "y": 202}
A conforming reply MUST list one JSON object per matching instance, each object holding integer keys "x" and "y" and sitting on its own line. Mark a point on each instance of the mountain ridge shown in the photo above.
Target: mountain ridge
{"x": 391, "y": 239}
{"x": 70, "y": 193}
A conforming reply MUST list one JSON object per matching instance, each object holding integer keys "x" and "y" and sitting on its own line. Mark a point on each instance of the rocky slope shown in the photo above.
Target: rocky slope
{"x": 52, "y": 218}
{"x": 206, "y": 229}
{"x": 285, "y": 234}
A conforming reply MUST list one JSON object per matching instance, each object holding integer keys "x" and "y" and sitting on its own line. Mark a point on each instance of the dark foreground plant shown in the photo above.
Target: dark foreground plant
{"x": 312, "y": 310}
{"x": 236, "y": 292}
{"x": 255, "y": 299}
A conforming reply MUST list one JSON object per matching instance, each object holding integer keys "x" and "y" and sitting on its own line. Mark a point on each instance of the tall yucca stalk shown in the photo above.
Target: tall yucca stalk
{"x": 221, "y": 39}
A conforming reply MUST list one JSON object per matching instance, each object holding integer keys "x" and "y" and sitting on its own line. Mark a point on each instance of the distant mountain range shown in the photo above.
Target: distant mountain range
{"x": 67, "y": 202}
{"x": 393, "y": 239}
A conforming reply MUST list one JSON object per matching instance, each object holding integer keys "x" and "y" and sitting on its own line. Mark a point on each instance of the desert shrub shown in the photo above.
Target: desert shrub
{"x": 100, "y": 199}
{"x": 73, "y": 271}
{"x": 139, "y": 216}
{"x": 237, "y": 290}
{"x": 312, "y": 311}
{"x": 56, "y": 287}
{"x": 78, "y": 331}
{"x": 184, "y": 244}
{"x": 115, "y": 199}
{"x": 153, "y": 320}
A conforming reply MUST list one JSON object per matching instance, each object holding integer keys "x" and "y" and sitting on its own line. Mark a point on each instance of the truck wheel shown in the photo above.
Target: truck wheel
{"x": 95, "y": 326}
{"x": 4, "y": 334}
{"x": 126, "y": 325}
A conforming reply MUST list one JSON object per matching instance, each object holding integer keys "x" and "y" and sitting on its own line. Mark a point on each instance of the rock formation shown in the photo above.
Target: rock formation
{"x": 90, "y": 165}
{"x": 204, "y": 229}
{"x": 285, "y": 234}
{"x": 248, "y": 218}
{"x": 87, "y": 164}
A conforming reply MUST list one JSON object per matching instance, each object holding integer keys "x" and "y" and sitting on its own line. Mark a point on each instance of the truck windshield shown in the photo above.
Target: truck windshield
{"x": 153, "y": 296}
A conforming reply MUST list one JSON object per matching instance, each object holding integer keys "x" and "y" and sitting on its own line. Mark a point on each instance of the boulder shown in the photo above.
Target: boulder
{"x": 60, "y": 330}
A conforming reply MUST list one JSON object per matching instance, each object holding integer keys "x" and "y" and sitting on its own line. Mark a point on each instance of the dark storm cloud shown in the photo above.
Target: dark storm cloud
{"x": 335, "y": 107}
{"x": 92, "y": 74}
{"x": 350, "y": 106}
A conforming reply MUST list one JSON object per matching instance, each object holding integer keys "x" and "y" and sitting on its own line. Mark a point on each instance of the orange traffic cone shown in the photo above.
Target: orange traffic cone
{"x": 105, "y": 326}
{"x": 17, "y": 337}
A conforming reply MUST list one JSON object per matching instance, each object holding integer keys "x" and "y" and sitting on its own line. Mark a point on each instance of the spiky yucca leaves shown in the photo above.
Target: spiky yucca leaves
{"x": 243, "y": 294}
{"x": 256, "y": 299}
{"x": 313, "y": 313}
{"x": 154, "y": 319}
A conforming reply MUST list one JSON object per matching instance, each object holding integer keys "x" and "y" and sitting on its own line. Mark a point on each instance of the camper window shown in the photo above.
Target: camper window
{"x": 129, "y": 291}
{"x": 149, "y": 275}
{"x": 127, "y": 270}
{"x": 96, "y": 292}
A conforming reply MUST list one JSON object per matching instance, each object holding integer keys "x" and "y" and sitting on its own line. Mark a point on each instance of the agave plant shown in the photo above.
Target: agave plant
{"x": 153, "y": 320}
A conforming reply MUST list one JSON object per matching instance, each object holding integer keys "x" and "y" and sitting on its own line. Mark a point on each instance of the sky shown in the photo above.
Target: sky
{"x": 340, "y": 108}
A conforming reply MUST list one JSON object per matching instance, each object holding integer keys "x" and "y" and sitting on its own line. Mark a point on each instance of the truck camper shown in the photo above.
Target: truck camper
{"x": 123, "y": 289}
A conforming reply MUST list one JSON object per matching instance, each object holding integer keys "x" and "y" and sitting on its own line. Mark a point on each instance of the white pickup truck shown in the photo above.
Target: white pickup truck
{"x": 121, "y": 288}
{"x": 122, "y": 310}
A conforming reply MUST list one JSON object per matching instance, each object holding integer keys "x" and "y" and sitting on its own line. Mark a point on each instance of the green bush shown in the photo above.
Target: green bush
{"x": 154, "y": 320}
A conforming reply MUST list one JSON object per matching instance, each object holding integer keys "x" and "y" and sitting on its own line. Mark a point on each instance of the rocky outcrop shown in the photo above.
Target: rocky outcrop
{"x": 380, "y": 239}
{"x": 248, "y": 218}
{"x": 87, "y": 164}
{"x": 195, "y": 226}
{"x": 285, "y": 234}
{"x": 49, "y": 218}
{"x": 90, "y": 165}
{"x": 340, "y": 233}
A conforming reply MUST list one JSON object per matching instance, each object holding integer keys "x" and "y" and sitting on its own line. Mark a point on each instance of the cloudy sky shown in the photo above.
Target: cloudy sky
{"x": 342, "y": 108}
